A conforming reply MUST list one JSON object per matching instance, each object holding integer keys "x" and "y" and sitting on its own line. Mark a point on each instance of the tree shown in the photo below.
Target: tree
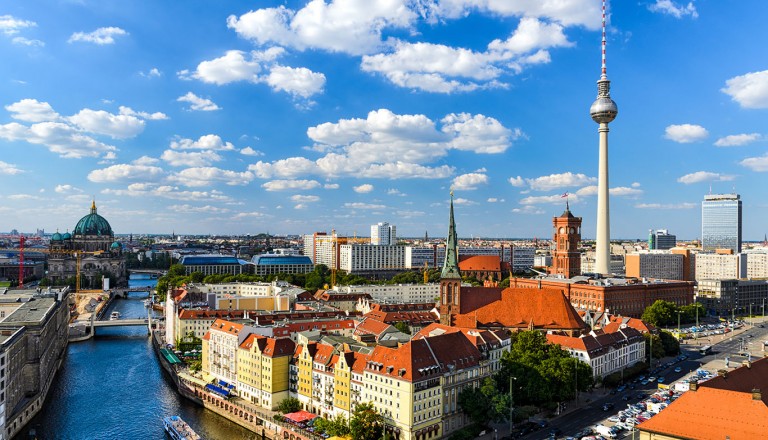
{"x": 669, "y": 343}
{"x": 661, "y": 313}
{"x": 403, "y": 327}
{"x": 289, "y": 405}
{"x": 485, "y": 404}
{"x": 366, "y": 423}
{"x": 658, "y": 347}
{"x": 337, "y": 426}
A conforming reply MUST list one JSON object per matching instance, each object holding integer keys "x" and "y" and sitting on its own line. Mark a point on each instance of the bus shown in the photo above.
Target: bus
{"x": 707, "y": 349}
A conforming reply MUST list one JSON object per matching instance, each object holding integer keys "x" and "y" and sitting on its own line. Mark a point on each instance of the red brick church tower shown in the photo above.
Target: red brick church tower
{"x": 566, "y": 259}
{"x": 450, "y": 276}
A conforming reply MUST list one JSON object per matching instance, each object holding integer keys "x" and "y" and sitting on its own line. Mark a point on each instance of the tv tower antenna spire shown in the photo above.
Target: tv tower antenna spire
{"x": 604, "y": 72}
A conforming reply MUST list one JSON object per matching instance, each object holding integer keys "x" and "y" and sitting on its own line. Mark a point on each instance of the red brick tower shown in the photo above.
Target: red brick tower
{"x": 566, "y": 259}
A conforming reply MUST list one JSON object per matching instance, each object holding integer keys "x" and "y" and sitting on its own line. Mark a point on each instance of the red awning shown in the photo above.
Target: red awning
{"x": 300, "y": 416}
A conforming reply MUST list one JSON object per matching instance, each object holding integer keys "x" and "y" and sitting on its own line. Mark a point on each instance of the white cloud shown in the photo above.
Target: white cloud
{"x": 349, "y": 26}
{"x": 749, "y": 90}
{"x": 409, "y": 214}
{"x": 10, "y": 25}
{"x": 737, "y": 140}
{"x": 120, "y": 126}
{"x": 360, "y": 205}
{"x": 126, "y": 173}
{"x": 27, "y": 42}
{"x": 704, "y": 176}
{"x": 156, "y": 116}
{"x": 569, "y": 13}
{"x": 331, "y": 186}
{"x": 478, "y": 133}
{"x": 152, "y": 73}
{"x": 676, "y": 10}
{"x": 552, "y": 199}
{"x": 145, "y": 190}
{"x": 197, "y": 103}
{"x": 623, "y": 191}
{"x": 248, "y": 151}
{"x": 100, "y": 36}
{"x": 206, "y": 142}
{"x": 470, "y": 181}
{"x": 528, "y": 209}
{"x": 304, "y": 198}
{"x": 145, "y": 160}
{"x": 206, "y": 176}
{"x": 32, "y": 110}
{"x": 759, "y": 163}
{"x": 563, "y": 180}
{"x": 517, "y": 182}
{"x": 297, "y": 81}
{"x": 189, "y": 209}
{"x": 635, "y": 185}
{"x": 395, "y": 192}
{"x": 494, "y": 200}
{"x": 229, "y": 68}
{"x": 363, "y": 189}
{"x": 59, "y": 138}
{"x": 9, "y": 169}
{"x": 463, "y": 201}
{"x": 684, "y": 205}
{"x": 64, "y": 189}
{"x": 293, "y": 185}
{"x": 190, "y": 159}
{"x": 686, "y": 133}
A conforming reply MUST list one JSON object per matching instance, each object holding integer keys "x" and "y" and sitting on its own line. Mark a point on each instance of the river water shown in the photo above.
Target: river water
{"x": 112, "y": 387}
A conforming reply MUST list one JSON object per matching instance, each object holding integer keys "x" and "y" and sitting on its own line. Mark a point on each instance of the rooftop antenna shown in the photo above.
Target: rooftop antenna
{"x": 604, "y": 72}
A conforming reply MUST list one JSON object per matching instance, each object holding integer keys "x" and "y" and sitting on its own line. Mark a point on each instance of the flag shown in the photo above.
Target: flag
{"x": 564, "y": 195}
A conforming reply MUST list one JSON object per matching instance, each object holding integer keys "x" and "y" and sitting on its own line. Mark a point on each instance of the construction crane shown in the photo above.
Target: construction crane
{"x": 77, "y": 253}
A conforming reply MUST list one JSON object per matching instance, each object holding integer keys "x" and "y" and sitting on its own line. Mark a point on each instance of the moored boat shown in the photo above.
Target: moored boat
{"x": 178, "y": 429}
{"x": 115, "y": 315}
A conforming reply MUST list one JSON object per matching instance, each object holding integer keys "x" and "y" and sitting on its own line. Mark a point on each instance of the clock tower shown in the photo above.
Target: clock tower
{"x": 566, "y": 260}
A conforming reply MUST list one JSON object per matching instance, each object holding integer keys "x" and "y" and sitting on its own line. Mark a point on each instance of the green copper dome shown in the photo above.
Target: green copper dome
{"x": 115, "y": 245}
{"x": 56, "y": 236}
{"x": 93, "y": 224}
{"x": 66, "y": 236}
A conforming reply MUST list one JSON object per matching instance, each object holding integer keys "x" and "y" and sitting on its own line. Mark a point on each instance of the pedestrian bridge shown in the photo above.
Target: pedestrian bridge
{"x": 123, "y": 323}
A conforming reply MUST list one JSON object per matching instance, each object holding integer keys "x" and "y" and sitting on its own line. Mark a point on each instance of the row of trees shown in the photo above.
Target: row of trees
{"x": 665, "y": 313}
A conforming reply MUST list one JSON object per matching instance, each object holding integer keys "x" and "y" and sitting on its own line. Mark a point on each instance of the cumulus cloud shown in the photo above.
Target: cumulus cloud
{"x": 363, "y": 189}
{"x": 350, "y": 26}
{"x": 259, "y": 67}
{"x": 9, "y": 169}
{"x": 100, "y": 36}
{"x": 66, "y": 188}
{"x": 156, "y": 116}
{"x": 299, "y": 198}
{"x": 569, "y": 13}
{"x": 554, "y": 181}
{"x": 292, "y": 185}
{"x": 126, "y": 173}
{"x": 10, "y": 25}
{"x": 623, "y": 191}
{"x": 749, "y": 90}
{"x": 704, "y": 176}
{"x": 391, "y": 146}
{"x": 528, "y": 209}
{"x": 686, "y": 133}
{"x": 737, "y": 140}
{"x": 121, "y": 126}
{"x": 517, "y": 182}
{"x": 27, "y": 42}
{"x": 207, "y": 142}
{"x": 32, "y": 110}
{"x": 197, "y": 103}
{"x": 677, "y": 10}
{"x": 62, "y": 139}
{"x": 494, "y": 200}
{"x": 759, "y": 163}
{"x": 331, "y": 186}
{"x": 463, "y": 201}
{"x": 168, "y": 192}
{"x": 207, "y": 176}
{"x": 470, "y": 181}
{"x": 145, "y": 160}
{"x": 190, "y": 159}
{"x": 248, "y": 151}
{"x": 152, "y": 73}
{"x": 551, "y": 199}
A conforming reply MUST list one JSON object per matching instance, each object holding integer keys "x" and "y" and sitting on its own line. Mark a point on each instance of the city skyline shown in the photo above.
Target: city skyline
{"x": 281, "y": 117}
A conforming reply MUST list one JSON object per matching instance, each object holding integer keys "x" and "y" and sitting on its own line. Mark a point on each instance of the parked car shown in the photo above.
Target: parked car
{"x": 678, "y": 369}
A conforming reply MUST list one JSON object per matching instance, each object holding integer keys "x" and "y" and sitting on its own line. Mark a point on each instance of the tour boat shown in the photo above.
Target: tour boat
{"x": 178, "y": 429}
{"x": 115, "y": 315}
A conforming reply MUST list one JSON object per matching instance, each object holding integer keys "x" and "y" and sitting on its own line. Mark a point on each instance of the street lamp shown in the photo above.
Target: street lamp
{"x": 511, "y": 405}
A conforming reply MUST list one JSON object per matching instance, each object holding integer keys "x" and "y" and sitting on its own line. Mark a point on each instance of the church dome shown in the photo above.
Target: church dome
{"x": 115, "y": 245}
{"x": 56, "y": 237}
{"x": 93, "y": 224}
{"x": 66, "y": 236}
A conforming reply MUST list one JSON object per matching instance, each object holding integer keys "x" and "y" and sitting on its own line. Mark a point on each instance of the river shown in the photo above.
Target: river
{"x": 112, "y": 387}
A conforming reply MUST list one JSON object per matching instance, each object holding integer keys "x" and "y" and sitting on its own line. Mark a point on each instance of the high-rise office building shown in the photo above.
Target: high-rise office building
{"x": 661, "y": 240}
{"x": 383, "y": 233}
{"x": 721, "y": 222}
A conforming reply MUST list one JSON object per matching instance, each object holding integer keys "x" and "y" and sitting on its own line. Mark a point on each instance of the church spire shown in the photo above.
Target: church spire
{"x": 93, "y": 206}
{"x": 451, "y": 264}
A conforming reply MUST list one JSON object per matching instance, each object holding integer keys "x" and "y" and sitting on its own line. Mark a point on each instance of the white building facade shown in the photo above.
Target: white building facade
{"x": 383, "y": 234}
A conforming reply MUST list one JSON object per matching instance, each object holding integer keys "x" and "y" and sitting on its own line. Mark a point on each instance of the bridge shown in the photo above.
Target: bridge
{"x": 123, "y": 291}
{"x": 123, "y": 323}
{"x": 156, "y": 272}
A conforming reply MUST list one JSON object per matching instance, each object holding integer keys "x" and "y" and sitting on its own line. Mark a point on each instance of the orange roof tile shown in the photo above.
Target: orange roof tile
{"x": 372, "y": 327}
{"x": 490, "y": 263}
{"x": 225, "y": 326}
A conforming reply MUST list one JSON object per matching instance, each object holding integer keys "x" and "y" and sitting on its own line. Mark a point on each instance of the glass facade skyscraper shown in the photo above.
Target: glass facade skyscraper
{"x": 721, "y": 222}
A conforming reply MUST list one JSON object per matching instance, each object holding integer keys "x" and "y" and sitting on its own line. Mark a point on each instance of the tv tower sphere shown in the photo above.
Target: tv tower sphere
{"x": 603, "y": 110}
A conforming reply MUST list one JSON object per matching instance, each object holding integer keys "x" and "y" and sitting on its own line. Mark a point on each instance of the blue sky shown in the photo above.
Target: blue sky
{"x": 242, "y": 117}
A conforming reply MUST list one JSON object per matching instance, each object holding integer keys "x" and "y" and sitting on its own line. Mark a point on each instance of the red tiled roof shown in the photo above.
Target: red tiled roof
{"x": 371, "y": 327}
{"x": 518, "y": 308}
{"x": 225, "y": 326}
{"x": 485, "y": 263}
{"x": 412, "y": 318}
{"x": 478, "y": 337}
{"x": 204, "y": 314}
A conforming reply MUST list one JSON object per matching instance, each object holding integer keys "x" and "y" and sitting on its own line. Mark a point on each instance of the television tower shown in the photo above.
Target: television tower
{"x": 603, "y": 111}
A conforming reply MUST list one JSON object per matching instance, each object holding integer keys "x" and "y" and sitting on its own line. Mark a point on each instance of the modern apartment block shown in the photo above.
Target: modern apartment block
{"x": 661, "y": 239}
{"x": 721, "y": 266}
{"x": 733, "y": 297}
{"x": 397, "y": 293}
{"x": 365, "y": 258}
{"x": 721, "y": 222}
{"x": 383, "y": 234}
{"x": 656, "y": 265}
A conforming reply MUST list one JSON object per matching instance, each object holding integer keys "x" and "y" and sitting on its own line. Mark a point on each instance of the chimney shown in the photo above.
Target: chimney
{"x": 756, "y": 394}
{"x": 694, "y": 386}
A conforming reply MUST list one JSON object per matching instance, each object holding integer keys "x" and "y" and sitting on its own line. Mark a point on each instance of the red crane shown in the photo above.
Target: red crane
{"x": 22, "y": 239}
